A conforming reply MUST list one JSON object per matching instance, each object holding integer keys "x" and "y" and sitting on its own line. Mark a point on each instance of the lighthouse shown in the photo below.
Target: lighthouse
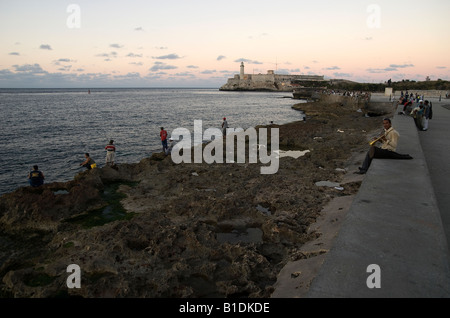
{"x": 242, "y": 71}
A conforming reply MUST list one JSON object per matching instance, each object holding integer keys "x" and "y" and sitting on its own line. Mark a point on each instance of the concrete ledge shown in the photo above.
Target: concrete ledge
{"x": 394, "y": 222}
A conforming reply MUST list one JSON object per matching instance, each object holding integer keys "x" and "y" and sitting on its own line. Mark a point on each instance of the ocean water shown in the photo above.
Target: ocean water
{"x": 53, "y": 128}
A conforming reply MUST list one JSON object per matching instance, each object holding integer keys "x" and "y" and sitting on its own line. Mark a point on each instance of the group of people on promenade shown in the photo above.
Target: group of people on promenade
{"x": 356, "y": 94}
{"x": 420, "y": 110}
{"x": 413, "y": 105}
{"x": 412, "y": 97}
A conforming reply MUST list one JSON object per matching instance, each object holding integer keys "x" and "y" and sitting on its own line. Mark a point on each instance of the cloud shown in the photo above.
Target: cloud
{"x": 401, "y": 66}
{"x": 65, "y": 68}
{"x": 138, "y": 29}
{"x": 59, "y": 61}
{"x": 342, "y": 74}
{"x": 167, "y": 57}
{"x": 184, "y": 74}
{"x": 134, "y": 55}
{"x": 441, "y": 67}
{"x": 208, "y": 72}
{"x": 30, "y": 68}
{"x": 248, "y": 61}
{"x": 295, "y": 70}
{"x": 116, "y": 46}
{"x": 161, "y": 47}
{"x": 128, "y": 76}
{"x": 381, "y": 70}
{"x": 221, "y": 57}
{"x": 14, "y": 53}
{"x": 283, "y": 71}
{"x": 391, "y": 68}
{"x": 112, "y": 54}
{"x": 161, "y": 66}
{"x": 368, "y": 38}
{"x": 45, "y": 47}
{"x": 136, "y": 63}
{"x": 192, "y": 66}
{"x": 332, "y": 68}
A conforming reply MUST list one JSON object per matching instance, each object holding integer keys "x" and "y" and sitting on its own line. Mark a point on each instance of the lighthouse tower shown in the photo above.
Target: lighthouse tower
{"x": 242, "y": 71}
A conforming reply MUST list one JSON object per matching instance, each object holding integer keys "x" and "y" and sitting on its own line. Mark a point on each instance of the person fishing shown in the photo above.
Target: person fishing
{"x": 163, "y": 135}
{"x": 36, "y": 177}
{"x": 224, "y": 126}
{"x": 89, "y": 163}
{"x": 110, "y": 153}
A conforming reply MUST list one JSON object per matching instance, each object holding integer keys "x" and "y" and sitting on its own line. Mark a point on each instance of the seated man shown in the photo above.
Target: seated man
{"x": 89, "y": 163}
{"x": 36, "y": 177}
{"x": 388, "y": 148}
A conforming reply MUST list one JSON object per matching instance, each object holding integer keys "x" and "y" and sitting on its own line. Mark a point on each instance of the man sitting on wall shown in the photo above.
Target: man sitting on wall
{"x": 387, "y": 150}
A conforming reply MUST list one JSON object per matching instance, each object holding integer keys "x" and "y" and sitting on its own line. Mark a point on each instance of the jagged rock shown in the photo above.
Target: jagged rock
{"x": 153, "y": 229}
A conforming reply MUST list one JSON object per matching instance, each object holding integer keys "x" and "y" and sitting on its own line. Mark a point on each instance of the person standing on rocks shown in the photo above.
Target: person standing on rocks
{"x": 36, "y": 177}
{"x": 224, "y": 126}
{"x": 163, "y": 135}
{"x": 110, "y": 153}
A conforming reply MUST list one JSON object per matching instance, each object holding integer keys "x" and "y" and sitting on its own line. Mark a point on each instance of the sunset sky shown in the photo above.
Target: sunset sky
{"x": 197, "y": 43}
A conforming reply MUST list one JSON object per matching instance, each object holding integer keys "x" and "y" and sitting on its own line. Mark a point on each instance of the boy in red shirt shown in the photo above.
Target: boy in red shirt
{"x": 163, "y": 135}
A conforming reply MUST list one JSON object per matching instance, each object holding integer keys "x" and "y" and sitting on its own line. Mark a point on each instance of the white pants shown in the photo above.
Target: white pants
{"x": 110, "y": 157}
{"x": 425, "y": 123}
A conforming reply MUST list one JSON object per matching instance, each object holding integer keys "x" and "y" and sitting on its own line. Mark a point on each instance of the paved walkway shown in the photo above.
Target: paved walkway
{"x": 436, "y": 147}
{"x": 395, "y": 223}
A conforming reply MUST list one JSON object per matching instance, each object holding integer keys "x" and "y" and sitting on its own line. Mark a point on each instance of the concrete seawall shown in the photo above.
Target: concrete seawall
{"x": 394, "y": 222}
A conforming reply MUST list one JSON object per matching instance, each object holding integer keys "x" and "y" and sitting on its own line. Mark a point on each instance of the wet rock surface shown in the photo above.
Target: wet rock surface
{"x": 158, "y": 229}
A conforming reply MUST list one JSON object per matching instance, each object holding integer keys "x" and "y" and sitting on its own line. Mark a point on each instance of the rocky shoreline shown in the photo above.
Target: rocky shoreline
{"x": 156, "y": 229}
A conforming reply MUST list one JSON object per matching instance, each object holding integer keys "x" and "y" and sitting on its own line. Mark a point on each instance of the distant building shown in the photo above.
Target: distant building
{"x": 265, "y": 82}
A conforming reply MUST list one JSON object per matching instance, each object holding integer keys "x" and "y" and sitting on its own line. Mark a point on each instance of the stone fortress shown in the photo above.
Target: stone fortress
{"x": 266, "y": 82}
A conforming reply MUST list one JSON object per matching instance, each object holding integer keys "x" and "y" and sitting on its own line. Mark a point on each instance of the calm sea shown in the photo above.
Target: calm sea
{"x": 53, "y": 128}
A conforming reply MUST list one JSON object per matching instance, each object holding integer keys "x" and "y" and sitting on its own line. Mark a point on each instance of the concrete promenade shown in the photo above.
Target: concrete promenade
{"x": 398, "y": 221}
{"x": 436, "y": 147}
